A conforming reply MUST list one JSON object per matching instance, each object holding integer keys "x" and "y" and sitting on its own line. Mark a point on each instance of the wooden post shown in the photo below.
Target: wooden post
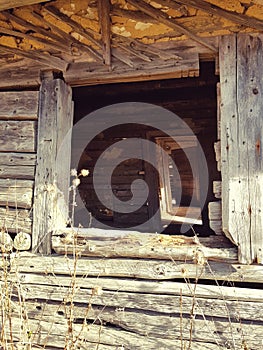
{"x": 241, "y": 61}
{"x": 50, "y": 209}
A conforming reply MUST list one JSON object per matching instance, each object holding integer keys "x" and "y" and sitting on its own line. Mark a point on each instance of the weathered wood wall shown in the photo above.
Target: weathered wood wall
{"x": 241, "y": 60}
{"x": 18, "y": 129}
{"x": 110, "y": 304}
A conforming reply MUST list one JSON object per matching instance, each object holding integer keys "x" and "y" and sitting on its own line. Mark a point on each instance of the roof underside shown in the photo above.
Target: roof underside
{"x": 94, "y": 37}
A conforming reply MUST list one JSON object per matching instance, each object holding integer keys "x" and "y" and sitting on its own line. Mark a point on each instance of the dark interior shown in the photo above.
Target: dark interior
{"x": 192, "y": 99}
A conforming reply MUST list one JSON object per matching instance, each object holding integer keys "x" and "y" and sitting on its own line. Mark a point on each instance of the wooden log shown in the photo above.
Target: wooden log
{"x": 138, "y": 268}
{"x": 92, "y": 335}
{"x": 18, "y": 136}
{"x": 102, "y": 243}
{"x": 17, "y": 159}
{"x": 16, "y": 193}
{"x": 19, "y": 105}
{"x": 17, "y": 172}
{"x": 217, "y": 148}
{"x": 217, "y": 189}
{"x": 53, "y": 162}
{"x": 215, "y": 210}
{"x": 216, "y": 226}
{"x": 6, "y": 242}
{"x": 105, "y": 26}
{"x": 15, "y": 220}
{"x": 225, "y": 332}
{"x": 199, "y": 290}
{"x": 22, "y": 241}
{"x": 5, "y": 5}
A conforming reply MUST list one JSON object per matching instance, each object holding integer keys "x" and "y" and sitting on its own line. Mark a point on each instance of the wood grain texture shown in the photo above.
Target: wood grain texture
{"x": 19, "y": 105}
{"x": 5, "y": 5}
{"x": 16, "y": 193}
{"x": 105, "y": 27}
{"x": 15, "y": 220}
{"x": 53, "y": 162}
{"x": 241, "y": 138}
{"x": 18, "y": 136}
{"x": 101, "y": 243}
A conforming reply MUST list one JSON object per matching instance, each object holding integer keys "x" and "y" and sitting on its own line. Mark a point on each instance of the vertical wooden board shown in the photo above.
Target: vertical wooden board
{"x": 250, "y": 100}
{"x": 229, "y": 126}
{"x": 241, "y": 143}
{"x": 52, "y": 169}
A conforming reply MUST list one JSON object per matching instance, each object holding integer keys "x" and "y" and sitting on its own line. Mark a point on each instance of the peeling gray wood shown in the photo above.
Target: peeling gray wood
{"x": 19, "y": 105}
{"x": 100, "y": 243}
{"x": 241, "y": 137}
{"x": 15, "y": 220}
{"x": 18, "y": 136}
{"x": 53, "y": 162}
{"x": 16, "y": 193}
{"x": 138, "y": 268}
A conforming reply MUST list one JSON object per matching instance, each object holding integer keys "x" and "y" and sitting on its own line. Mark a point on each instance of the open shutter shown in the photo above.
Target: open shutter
{"x": 241, "y": 77}
{"x": 50, "y": 209}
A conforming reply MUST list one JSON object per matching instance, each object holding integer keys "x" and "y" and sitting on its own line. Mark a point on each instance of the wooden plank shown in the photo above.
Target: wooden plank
{"x": 175, "y": 288}
{"x": 137, "y": 268}
{"x": 241, "y": 146}
{"x": 18, "y": 159}
{"x": 8, "y": 4}
{"x": 18, "y": 136}
{"x": 102, "y": 243}
{"x": 105, "y": 27}
{"x": 53, "y": 162}
{"x": 17, "y": 172}
{"x": 16, "y": 193}
{"x": 239, "y": 18}
{"x": 19, "y": 105}
{"x": 229, "y": 127}
{"x": 15, "y": 220}
{"x": 76, "y": 27}
{"x": 44, "y": 58}
{"x": 92, "y": 335}
{"x": 165, "y": 19}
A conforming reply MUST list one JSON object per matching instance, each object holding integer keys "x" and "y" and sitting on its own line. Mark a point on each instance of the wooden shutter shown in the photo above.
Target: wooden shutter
{"x": 241, "y": 77}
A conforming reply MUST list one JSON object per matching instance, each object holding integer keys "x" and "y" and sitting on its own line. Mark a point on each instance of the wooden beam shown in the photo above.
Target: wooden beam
{"x": 238, "y": 18}
{"x": 52, "y": 172}
{"x": 105, "y": 27}
{"x": 44, "y": 58}
{"x": 78, "y": 29}
{"x": 171, "y": 23}
{"x": 9, "y": 4}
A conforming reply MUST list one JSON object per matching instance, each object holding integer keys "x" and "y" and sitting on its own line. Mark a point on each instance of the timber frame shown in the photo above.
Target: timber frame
{"x": 70, "y": 287}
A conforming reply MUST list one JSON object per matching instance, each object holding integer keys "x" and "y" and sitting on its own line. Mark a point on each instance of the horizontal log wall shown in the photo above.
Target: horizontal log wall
{"x": 18, "y": 129}
{"x": 132, "y": 304}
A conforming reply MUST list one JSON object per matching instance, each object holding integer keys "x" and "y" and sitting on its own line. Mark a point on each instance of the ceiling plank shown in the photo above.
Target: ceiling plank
{"x": 9, "y": 4}
{"x": 44, "y": 58}
{"x": 76, "y": 28}
{"x": 165, "y": 19}
{"x": 238, "y": 18}
{"x": 104, "y": 7}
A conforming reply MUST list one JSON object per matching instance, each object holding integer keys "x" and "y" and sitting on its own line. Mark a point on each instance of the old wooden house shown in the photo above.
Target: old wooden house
{"x": 131, "y": 174}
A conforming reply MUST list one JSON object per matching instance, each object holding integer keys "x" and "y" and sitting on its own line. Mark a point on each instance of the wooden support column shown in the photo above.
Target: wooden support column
{"x": 50, "y": 208}
{"x": 105, "y": 26}
{"x": 241, "y": 62}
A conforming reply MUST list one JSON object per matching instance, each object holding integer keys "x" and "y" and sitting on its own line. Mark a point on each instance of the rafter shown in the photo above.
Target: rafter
{"x": 36, "y": 29}
{"x": 165, "y": 19}
{"x": 43, "y": 58}
{"x": 77, "y": 28}
{"x": 238, "y": 18}
{"x": 9, "y": 4}
{"x": 105, "y": 26}
{"x": 48, "y": 44}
